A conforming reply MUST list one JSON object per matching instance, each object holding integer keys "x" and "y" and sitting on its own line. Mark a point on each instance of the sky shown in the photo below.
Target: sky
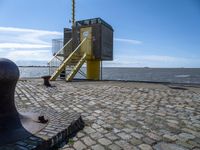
{"x": 147, "y": 33}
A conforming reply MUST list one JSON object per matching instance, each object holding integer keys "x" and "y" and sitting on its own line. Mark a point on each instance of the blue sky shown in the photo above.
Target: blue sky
{"x": 153, "y": 33}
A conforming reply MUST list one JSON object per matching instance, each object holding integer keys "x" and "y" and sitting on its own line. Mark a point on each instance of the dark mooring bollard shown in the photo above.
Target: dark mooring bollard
{"x": 46, "y": 80}
{"x": 9, "y": 75}
{"x": 13, "y": 125}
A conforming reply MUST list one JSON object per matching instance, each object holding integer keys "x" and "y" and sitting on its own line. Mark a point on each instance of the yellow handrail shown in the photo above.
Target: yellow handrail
{"x": 61, "y": 67}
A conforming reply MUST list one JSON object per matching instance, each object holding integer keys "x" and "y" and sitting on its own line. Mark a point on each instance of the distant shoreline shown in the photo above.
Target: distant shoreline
{"x": 114, "y": 67}
{"x": 33, "y": 66}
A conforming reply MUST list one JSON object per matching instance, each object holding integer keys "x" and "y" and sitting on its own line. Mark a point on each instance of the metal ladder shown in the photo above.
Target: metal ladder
{"x": 71, "y": 65}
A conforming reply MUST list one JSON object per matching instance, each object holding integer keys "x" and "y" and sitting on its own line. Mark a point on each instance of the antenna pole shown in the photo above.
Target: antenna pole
{"x": 73, "y": 12}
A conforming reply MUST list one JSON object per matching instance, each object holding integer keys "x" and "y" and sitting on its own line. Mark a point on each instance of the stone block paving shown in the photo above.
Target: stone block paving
{"x": 121, "y": 115}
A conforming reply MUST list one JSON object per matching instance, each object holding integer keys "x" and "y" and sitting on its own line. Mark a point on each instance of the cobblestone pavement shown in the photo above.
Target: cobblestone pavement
{"x": 121, "y": 115}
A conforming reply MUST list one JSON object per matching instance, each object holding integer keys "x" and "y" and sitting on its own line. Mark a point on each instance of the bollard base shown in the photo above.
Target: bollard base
{"x": 30, "y": 124}
{"x": 60, "y": 127}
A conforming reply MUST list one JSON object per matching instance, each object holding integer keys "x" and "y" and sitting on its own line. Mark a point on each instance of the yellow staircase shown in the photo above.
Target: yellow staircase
{"x": 71, "y": 64}
{"x": 76, "y": 68}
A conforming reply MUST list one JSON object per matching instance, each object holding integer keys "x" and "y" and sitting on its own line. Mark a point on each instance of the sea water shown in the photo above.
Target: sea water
{"x": 173, "y": 75}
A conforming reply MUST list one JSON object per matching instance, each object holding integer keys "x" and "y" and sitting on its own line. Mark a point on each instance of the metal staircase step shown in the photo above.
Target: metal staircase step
{"x": 76, "y": 68}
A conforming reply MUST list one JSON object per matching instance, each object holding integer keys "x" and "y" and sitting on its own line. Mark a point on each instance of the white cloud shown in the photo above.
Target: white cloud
{"x": 24, "y": 30}
{"x": 130, "y": 41}
{"x": 18, "y": 45}
{"x": 159, "y": 58}
{"x": 151, "y": 61}
{"x": 29, "y": 44}
{"x": 26, "y": 35}
{"x": 22, "y": 43}
{"x": 29, "y": 55}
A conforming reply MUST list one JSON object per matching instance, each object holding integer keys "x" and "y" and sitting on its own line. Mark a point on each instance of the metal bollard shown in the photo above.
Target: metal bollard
{"x": 14, "y": 125}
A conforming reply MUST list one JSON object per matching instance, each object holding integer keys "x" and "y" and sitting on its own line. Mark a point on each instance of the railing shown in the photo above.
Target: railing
{"x": 67, "y": 61}
{"x": 59, "y": 56}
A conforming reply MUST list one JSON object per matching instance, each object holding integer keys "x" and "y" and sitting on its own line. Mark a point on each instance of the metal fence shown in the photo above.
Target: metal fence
{"x": 57, "y": 44}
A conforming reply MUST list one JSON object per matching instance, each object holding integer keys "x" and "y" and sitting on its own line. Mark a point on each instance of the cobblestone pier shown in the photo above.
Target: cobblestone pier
{"x": 121, "y": 115}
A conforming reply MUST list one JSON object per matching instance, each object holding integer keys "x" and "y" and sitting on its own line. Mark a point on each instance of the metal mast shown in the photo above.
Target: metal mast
{"x": 73, "y": 12}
